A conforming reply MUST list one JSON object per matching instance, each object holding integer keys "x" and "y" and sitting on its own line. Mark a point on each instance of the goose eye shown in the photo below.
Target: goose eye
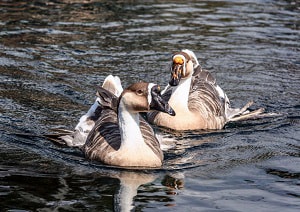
{"x": 139, "y": 92}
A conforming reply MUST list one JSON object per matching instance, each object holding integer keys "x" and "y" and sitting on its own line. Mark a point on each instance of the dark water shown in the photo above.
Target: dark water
{"x": 54, "y": 53}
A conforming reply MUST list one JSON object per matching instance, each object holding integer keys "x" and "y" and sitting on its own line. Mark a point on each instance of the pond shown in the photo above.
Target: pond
{"x": 53, "y": 54}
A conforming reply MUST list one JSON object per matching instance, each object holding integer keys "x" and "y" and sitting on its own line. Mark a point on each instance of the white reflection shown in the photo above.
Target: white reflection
{"x": 129, "y": 184}
{"x": 131, "y": 181}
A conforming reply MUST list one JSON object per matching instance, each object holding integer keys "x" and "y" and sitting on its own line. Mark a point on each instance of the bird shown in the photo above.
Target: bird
{"x": 120, "y": 136}
{"x": 199, "y": 102}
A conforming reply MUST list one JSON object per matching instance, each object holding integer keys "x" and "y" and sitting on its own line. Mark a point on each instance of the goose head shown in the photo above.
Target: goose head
{"x": 183, "y": 64}
{"x": 144, "y": 97}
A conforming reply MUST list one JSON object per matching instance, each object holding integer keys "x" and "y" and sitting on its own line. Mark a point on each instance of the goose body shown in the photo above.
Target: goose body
{"x": 196, "y": 98}
{"x": 121, "y": 137}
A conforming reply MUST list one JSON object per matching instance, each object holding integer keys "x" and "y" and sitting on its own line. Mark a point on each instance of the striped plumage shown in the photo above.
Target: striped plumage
{"x": 121, "y": 137}
{"x": 103, "y": 141}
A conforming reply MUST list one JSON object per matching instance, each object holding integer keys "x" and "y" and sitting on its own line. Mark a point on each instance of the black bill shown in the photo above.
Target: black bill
{"x": 157, "y": 102}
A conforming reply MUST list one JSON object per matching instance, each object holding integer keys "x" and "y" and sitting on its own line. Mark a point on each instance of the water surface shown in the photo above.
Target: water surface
{"x": 54, "y": 54}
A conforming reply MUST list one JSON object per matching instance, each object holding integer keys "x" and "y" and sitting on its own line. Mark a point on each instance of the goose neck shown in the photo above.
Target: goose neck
{"x": 131, "y": 135}
{"x": 180, "y": 94}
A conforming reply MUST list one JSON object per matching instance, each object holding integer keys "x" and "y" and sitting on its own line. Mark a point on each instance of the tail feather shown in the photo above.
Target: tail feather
{"x": 248, "y": 115}
{"x": 67, "y": 137}
{"x": 61, "y": 131}
{"x": 240, "y": 114}
{"x": 113, "y": 85}
{"x": 56, "y": 136}
{"x": 244, "y": 109}
{"x": 234, "y": 112}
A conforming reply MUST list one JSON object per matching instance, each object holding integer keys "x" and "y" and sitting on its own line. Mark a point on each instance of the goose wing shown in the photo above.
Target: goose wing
{"x": 150, "y": 138}
{"x": 205, "y": 95}
{"x": 105, "y": 135}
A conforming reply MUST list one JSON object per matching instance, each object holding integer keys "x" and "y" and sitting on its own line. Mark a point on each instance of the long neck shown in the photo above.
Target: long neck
{"x": 180, "y": 94}
{"x": 131, "y": 135}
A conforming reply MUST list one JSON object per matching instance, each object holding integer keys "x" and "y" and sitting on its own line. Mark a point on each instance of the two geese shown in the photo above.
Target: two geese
{"x": 113, "y": 131}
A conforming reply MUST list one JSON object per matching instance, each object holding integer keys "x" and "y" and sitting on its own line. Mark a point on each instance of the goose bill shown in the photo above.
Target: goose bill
{"x": 157, "y": 102}
{"x": 176, "y": 74}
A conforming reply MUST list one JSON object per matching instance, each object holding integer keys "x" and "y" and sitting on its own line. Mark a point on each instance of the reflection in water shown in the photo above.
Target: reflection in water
{"x": 174, "y": 182}
{"x": 129, "y": 184}
{"x": 93, "y": 191}
{"x": 76, "y": 185}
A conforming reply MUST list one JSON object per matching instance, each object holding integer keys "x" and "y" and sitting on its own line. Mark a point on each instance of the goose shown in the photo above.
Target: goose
{"x": 120, "y": 136}
{"x": 196, "y": 98}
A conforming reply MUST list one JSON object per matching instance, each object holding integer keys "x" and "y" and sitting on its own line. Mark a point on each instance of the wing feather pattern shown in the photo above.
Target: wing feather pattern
{"x": 204, "y": 96}
{"x": 150, "y": 138}
{"x": 104, "y": 137}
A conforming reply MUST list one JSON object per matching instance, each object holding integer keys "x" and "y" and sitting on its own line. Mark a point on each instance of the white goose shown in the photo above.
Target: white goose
{"x": 120, "y": 136}
{"x": 198, "y": 101}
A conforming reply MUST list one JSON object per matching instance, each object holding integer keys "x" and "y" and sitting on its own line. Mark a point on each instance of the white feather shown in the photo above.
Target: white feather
{"x": 149, "y": 97}
{"x": 193, "y": 56}
{"x": 180, "y": 94}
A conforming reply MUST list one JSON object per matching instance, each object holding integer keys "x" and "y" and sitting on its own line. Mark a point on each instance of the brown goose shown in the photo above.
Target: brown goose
{"x": 196, "y": 98}
{"x": 121, "y": 137}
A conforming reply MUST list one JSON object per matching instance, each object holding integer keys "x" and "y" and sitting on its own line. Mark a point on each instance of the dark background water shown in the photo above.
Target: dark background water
{"x": 54, "y": 53}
